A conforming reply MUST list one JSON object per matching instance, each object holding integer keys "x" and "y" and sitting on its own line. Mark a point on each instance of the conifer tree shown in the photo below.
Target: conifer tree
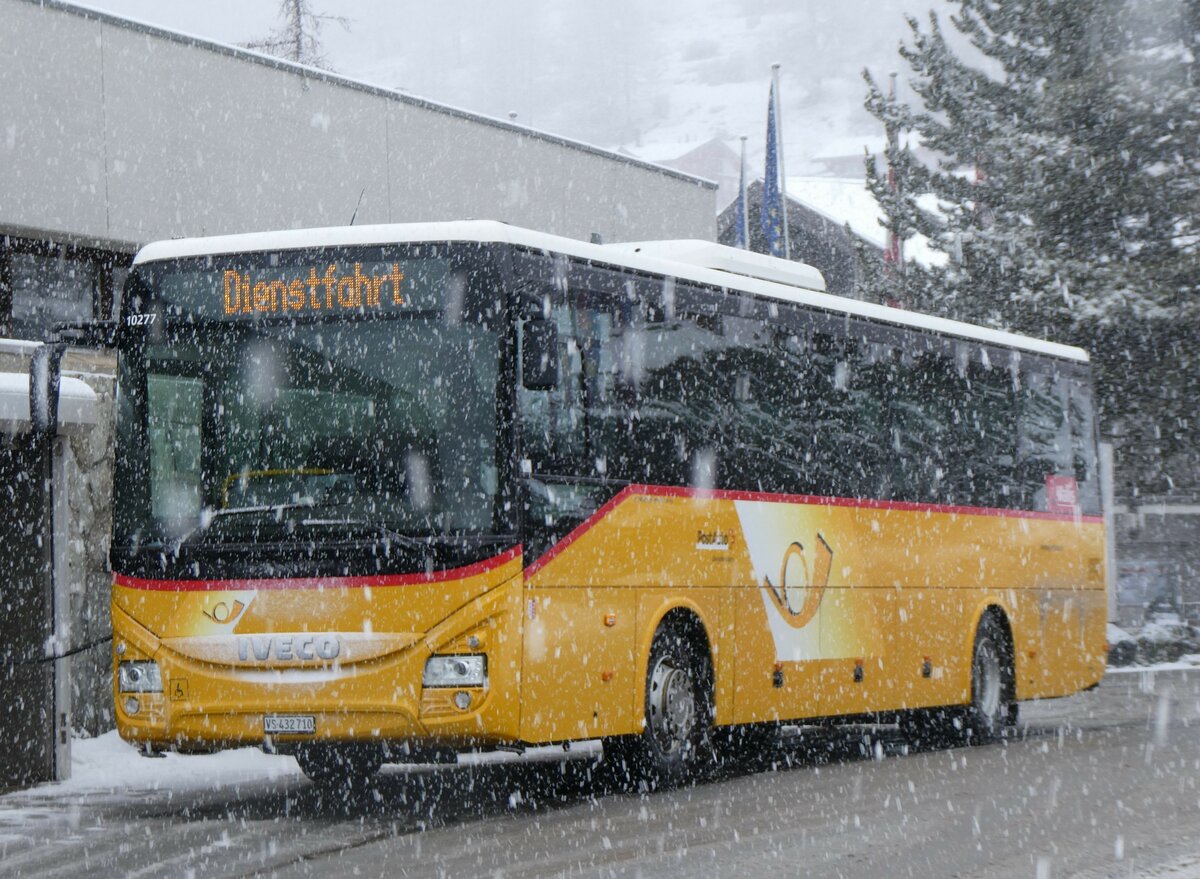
{"x": 1067, "y": 188}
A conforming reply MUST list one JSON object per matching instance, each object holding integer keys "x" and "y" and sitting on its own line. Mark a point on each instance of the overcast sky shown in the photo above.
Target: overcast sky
{"x": 653, "y": 78}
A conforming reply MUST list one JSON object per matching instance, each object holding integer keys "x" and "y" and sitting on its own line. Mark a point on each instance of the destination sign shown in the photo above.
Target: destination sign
{"x": 250, "y": 287}
{"x": 326, "y": 290}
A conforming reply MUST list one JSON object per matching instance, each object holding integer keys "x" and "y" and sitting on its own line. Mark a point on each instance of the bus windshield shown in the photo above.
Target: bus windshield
{"x": 339, "y": 432}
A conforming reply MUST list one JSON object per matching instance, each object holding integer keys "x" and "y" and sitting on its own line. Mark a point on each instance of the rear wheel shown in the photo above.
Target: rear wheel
{"x": 992, "y": 709}
{"x": 992, "y": 705}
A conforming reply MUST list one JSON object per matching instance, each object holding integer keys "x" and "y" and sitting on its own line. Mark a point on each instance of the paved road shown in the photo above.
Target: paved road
{"x": 1101, "y": 784}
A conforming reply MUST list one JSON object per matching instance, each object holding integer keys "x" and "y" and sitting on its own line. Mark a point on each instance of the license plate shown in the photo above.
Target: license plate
{"x": 289, "y": 724}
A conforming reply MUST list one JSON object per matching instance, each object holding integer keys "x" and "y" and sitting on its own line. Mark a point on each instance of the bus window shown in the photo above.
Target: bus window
{"x": 580, "y": 436}
{"x": 175, "y": 480}
{"x": 987, "y": 435}
{"x": 1043, "y": 437}
{"x": 828, "y": 422}
{"x": 689, "y": 390}
{"x": 759, "y": 456}
{"x": 923, "y": 423}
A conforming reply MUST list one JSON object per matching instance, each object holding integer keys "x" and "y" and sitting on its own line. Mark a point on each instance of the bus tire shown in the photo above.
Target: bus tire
{"x": 676, "y": 738}
{"x": 350, "y": 767}
{"x": 992, "y": 705}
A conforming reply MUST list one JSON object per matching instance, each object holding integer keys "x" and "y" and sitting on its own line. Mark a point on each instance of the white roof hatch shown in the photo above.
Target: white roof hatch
{"x": 709, "y": 255}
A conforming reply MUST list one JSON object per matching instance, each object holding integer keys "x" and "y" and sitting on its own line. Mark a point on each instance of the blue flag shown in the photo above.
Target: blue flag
{"x": 772, "y": 196}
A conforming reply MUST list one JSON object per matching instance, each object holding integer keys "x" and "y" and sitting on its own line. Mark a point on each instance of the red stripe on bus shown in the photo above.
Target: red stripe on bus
{"x": 811, "y": 500}
{"x": 377, "y": 580}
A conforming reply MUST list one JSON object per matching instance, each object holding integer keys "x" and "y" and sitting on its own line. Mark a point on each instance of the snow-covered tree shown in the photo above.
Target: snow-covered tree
{"x": 1068, "y": 191}
{"x": 298, "y": 38}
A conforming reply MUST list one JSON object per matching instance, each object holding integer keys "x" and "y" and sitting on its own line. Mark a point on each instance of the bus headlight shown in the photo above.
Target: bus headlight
{"x": 468, "y": 670}
{"x": 139, "y": 677}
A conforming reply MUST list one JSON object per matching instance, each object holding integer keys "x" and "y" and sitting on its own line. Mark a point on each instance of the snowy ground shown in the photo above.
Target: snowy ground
{"x": 1188, "y": 661}
{"x": 108, "y": 765}
{"x": 1048, "y": 808}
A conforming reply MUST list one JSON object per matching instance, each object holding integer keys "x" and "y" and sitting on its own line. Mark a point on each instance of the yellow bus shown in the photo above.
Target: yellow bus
{"x": 393, "y": 492}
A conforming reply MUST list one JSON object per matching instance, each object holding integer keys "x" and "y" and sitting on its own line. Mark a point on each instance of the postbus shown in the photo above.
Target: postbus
{"x": 392, "y": 492}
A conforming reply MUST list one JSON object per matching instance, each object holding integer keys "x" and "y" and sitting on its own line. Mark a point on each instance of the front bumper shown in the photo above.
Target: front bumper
{"x": 208, "y": 706}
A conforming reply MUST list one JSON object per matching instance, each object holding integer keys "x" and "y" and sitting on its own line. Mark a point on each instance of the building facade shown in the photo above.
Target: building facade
{"x": 113, "y": 134}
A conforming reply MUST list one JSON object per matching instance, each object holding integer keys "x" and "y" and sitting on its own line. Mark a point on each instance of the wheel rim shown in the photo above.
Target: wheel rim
{"x": 672, "y": 705}
{"x": 988, "y": 683}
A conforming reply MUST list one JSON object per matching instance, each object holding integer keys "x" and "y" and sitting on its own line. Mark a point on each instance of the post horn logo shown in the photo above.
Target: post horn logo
{"x": 801, "y": 587}
{"x": 223, "y": 612}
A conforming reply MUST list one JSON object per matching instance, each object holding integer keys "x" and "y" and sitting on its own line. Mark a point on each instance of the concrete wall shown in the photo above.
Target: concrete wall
{"x": 83, "y": 499}
{"x": 119, "y": 133}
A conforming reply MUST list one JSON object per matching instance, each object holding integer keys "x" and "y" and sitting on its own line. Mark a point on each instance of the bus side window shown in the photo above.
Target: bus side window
{"x": 781, "y": 409}
{"x": 987, "y": 435}
{"x": 566, "y": 430}
{"x": 848, "y": 418}
{"x": 685, "y": 391}
{"x": 924, "y": 411}
{"x": 755, "y": 456}
{"x": 553, "y": 419}
{"x": 1043, "y": 434}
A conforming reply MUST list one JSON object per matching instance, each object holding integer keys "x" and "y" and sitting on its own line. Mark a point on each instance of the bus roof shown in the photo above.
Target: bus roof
{"x": 631, "y": 255}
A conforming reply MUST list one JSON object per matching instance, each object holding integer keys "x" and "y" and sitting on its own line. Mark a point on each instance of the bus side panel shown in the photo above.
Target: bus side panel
{"x": 579, "y": 662}
{"x": 831, "y": 607}
{"x": 899, "y": 602}
{"x": 676, "y": 548}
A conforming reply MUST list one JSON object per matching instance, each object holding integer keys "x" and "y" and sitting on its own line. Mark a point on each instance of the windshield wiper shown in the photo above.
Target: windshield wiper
{"x": 406, "y": 540}
{"x": 262, "y": 508}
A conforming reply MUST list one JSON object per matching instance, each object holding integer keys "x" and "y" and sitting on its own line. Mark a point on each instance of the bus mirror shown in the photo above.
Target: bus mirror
{"x": 89, "y": 334}
{"x": 539, "y": 355}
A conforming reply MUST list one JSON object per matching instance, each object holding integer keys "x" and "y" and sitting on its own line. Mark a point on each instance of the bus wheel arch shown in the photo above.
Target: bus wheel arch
{"x": 676, "y": 710}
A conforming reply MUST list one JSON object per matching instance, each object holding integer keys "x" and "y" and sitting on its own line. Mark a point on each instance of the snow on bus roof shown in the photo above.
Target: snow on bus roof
{"x": 491, "y": 231}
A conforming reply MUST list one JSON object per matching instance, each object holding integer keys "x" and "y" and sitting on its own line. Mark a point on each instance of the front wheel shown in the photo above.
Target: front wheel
{"x": 678, "y": 712}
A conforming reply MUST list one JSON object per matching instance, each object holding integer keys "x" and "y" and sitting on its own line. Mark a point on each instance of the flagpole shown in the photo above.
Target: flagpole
{"x": 895, "y": 244}
{"x": 787, "y": 244}
{"x": 743, "y": 212}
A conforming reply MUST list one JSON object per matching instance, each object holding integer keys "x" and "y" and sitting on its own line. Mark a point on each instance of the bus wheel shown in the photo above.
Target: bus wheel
{"x": 679, "y": 713}
{"x": 992, "y": 704}
{"x": 347, "y": 766}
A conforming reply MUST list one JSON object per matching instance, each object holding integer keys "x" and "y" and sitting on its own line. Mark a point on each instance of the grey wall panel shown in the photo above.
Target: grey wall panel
{"x": 51, "y": 122}
{"x": 217, "y": 145}
{"x": 489, "y": 172}
{"x": 124, "y": 133}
